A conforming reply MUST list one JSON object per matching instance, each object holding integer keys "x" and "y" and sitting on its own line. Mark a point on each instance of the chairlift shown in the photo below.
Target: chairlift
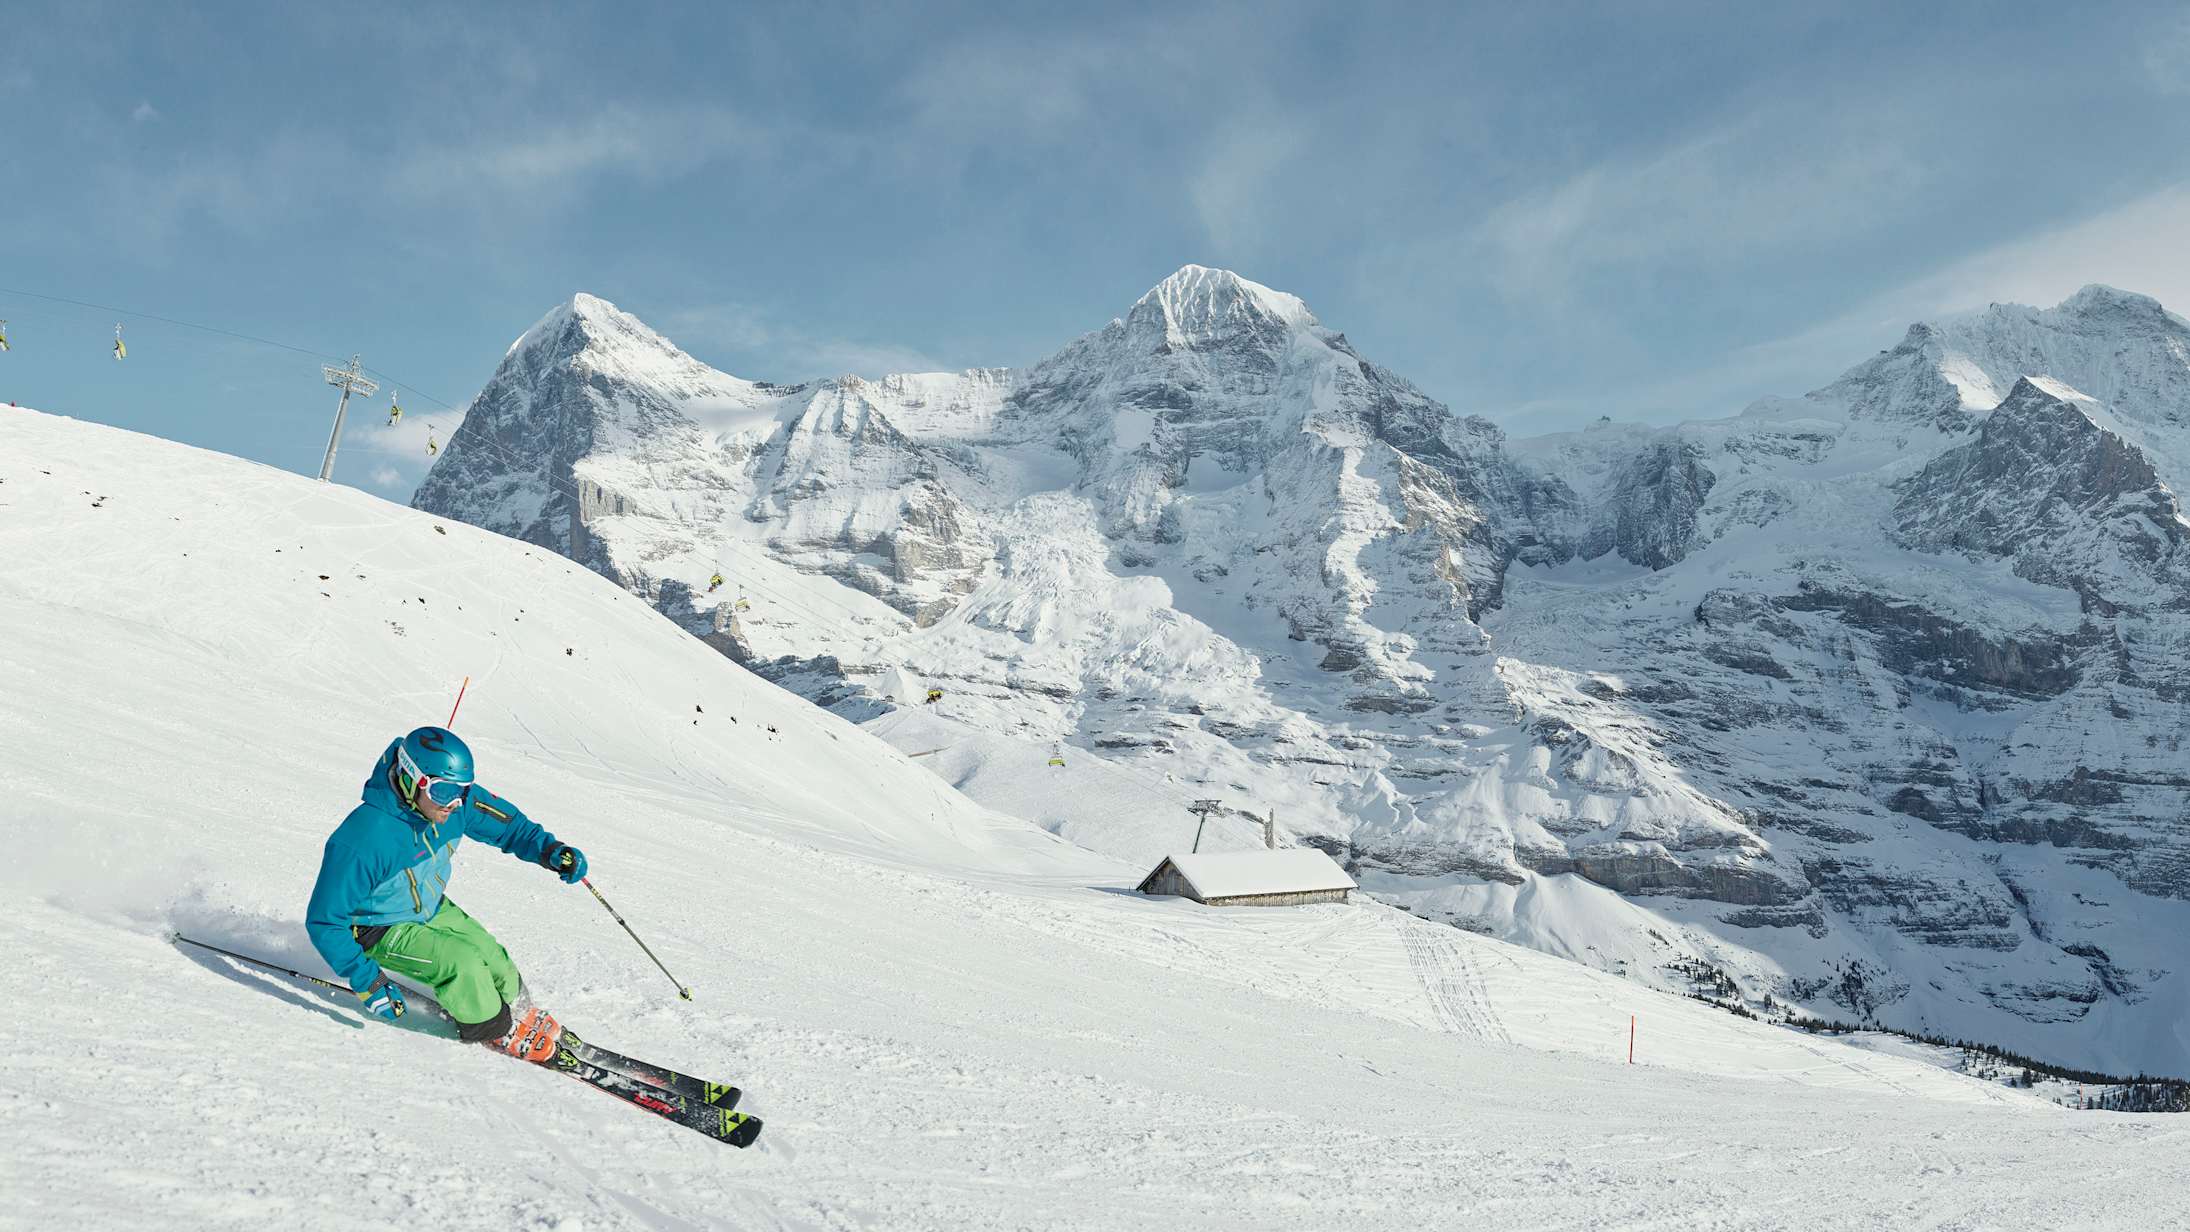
{"x": 3, "y": 333}
{"x": 742, "y": 605}
{"x": 934, "y": 696}
{"x": 395, "y": 410}
{"x": 714, "y": 584}
{"x": 433, "y": 447}
{"x": 121, "y": 351}
{"x": 1057, "y": 754}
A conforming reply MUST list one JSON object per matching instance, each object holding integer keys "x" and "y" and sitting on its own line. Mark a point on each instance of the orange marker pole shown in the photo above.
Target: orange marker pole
{"x": 459, "y": 702}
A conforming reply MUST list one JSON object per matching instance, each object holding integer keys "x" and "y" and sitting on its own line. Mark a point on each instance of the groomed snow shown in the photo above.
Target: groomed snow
{"x": 950, "y": 1019}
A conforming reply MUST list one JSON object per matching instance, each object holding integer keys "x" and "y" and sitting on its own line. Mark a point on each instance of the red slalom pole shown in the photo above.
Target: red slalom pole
{"x": 459, "y": 702}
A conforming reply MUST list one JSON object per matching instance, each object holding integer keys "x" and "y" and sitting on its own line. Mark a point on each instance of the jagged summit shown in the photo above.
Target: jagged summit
{"x": 2098, "y": 298}
{"x": 1198, "y": 303}
{"x": 589, "y": 322}
{"x": 2041, "y": 390}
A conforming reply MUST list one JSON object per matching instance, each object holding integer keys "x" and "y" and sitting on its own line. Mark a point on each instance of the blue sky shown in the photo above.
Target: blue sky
{"x": 1539, "y": 213}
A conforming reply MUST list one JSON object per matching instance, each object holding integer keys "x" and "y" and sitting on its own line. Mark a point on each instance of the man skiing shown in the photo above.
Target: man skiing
{"x": 381, "y": 902}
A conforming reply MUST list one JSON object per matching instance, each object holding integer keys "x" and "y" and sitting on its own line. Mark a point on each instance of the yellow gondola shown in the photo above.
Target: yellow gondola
{"x": 3, "y": 334}
{"x": 395, "y": 411}
{"x": 741, "y": 605}
{"x": 714, "y": 584}
{"x": 1057, "y": 756}
{"x": 121, "y": 352}
{"x": 934, "y": 696}
{"x": 433, "y": 447}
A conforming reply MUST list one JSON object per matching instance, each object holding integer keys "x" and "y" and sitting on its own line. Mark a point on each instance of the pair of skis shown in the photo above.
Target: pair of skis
{"x": 702, "y": 1106}
{"x": 699, "y": 1105}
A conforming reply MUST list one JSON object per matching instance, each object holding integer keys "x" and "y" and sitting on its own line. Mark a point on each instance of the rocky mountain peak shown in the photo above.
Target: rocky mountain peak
{"x": 2044, "y": 481}
{"x": 592, "y": 326}
{"x": 1199, "y": 305}
{"x": 2042, "y": 395}
{"x": 1889, "y": 686}
{"x": 2099, "y": 301}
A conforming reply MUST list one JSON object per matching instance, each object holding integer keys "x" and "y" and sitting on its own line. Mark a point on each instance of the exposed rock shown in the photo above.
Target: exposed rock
{"x": 1871, "y": 684}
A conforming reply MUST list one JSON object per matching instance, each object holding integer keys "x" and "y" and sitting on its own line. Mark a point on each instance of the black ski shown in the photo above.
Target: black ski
{"x": 713, "y": 1094}
{"x": 690, "y": 1102}
{"x": 721, "y": 1124}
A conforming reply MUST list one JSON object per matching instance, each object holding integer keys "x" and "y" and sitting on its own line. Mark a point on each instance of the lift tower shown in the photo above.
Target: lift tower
{"x": 349, "y": 379}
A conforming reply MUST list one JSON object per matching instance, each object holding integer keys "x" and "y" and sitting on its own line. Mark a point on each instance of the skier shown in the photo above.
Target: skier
{"x": 381, "y": 898}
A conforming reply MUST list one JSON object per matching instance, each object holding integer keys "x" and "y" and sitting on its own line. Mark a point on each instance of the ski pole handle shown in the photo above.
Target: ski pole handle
{"x": 683, "y": 990}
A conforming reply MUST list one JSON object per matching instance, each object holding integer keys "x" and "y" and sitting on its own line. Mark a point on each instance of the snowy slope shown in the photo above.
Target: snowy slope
{"x": 950, "y": 1019}
{"x": 1873, "y": 698}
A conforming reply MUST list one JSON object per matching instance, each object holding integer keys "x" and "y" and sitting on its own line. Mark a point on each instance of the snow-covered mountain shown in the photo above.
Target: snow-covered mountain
{"x": 949, "y": 1018}
{"x": 1873, "y": 699}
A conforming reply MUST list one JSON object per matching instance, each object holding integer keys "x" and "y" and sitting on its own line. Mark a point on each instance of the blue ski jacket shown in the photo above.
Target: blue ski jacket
{"x": 386, "y": 864}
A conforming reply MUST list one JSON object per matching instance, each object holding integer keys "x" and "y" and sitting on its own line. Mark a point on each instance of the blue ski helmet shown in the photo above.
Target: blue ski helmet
{"x": 436, "y": 754}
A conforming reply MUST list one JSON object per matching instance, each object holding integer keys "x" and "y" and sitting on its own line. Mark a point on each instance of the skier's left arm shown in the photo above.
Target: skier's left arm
{"x": 491, "y": 819}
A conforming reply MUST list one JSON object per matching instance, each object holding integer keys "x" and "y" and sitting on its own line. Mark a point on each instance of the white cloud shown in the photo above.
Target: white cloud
{"x": 286, "y": 172}
{"x": 1020, "y": 87}
{"x": 2167, "y": 55}
{"x": 2137, "y": 246}
{"x": 773, "y": 350}
{"x": 646, "y": 142}
{"x": 387, "y": 478}
{"x": 402, "y": 444}
{"x": 144, "y": 113}
{"x": 1236, "y": 190}
{"x": 1766, "y": 182}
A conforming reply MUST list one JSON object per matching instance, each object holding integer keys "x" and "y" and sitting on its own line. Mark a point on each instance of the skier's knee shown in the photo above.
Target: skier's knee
{"x": 471, "y": 993}
{"x": 482, "y": 1032}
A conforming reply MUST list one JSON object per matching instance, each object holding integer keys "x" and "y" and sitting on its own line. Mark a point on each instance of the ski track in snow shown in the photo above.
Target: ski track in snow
{"x": 948, "y": 1019}
{"x": 1452, "y": 981}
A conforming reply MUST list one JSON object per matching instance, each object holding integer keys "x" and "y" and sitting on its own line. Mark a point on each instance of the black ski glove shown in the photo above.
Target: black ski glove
{"x": 564, "y": 861}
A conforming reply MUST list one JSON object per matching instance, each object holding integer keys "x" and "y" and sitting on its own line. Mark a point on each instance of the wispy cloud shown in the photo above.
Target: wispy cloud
{"x": 515, "y": 170}
{"x": 763, "y": 347}
{"x": 2137, "y": 247}
{"x": 1012, "y": 87}
{"x": 649, "y": 143}
{"x": 144, "y": 113}
{"x": 1234, "y": 189}
{"x": 1764, "y": 183}
{"x": 2167, "y": 54}
{"x": 399, "y": 447}
{"x": 151, "y": 198}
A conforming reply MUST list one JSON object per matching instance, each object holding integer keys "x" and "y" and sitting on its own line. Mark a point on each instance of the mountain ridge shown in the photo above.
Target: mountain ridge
{"x": 1210, "y": 538}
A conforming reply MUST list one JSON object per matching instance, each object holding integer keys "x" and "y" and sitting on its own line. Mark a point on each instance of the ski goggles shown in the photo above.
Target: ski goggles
{"x": 411, "y": 781}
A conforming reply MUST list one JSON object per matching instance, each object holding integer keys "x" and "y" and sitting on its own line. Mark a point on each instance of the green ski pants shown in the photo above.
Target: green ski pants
{"x": 470, "y": 973}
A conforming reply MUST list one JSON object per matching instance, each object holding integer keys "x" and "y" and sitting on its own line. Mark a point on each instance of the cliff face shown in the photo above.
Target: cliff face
{"x": 1873, "y": 698}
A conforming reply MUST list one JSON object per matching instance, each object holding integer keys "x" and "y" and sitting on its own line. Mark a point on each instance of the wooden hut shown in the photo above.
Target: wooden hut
{"x": 1285, "y": 878}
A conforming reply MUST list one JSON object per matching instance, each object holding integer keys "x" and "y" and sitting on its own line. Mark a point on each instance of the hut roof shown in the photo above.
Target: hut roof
{"x": 1289, "y": 870}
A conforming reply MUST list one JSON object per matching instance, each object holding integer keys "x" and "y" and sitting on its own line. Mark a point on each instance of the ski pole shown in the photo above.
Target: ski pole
{"x": 682, "y": 990}
{"x": 260, "y": 962}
